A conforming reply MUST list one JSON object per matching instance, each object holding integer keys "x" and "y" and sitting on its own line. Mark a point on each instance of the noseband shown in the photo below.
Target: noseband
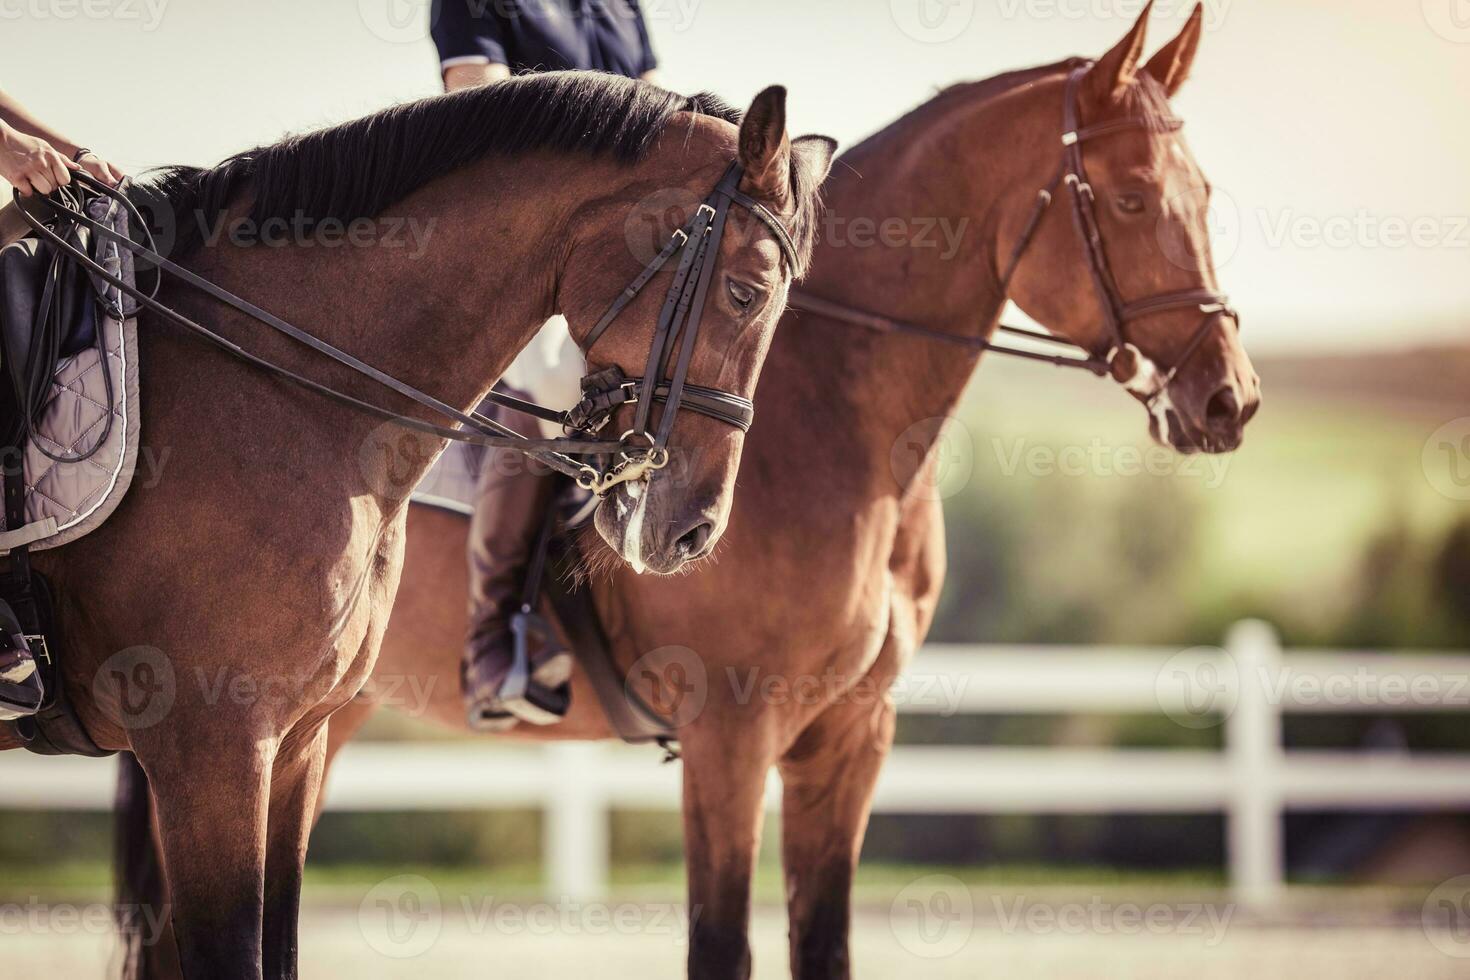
{"x": 1117, "y": 313}
{"x": 639, "y": 450}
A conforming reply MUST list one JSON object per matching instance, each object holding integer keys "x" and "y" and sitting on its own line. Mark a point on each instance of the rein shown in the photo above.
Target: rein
{"x": 681, "y": 315}
{"x": 1117, "y": 313}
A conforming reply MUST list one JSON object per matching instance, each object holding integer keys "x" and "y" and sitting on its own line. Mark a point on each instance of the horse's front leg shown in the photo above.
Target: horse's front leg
{"x": 212, "y": 796}
{"x": 828, "y": 777}
{"x": 296, "y": 782}
{"x": 725, "y": 767}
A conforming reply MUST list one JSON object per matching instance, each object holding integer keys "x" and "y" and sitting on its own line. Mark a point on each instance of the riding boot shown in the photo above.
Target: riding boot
{"x": 503, "y": 684}
{"x": 21, "y": 693}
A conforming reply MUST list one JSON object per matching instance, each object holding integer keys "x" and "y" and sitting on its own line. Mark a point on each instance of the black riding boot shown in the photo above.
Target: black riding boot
{"x": 502, "y": 685}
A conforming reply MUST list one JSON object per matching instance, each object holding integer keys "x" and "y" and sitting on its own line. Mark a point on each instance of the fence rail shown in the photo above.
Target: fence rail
{"x": 1246, "y": 686}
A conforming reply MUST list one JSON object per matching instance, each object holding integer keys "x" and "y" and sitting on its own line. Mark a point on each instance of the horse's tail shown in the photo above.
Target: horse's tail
{"x": 136, "y": 867}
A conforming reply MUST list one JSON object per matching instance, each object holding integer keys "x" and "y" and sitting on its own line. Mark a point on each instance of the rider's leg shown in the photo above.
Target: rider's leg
{"x": 20, "y": 683}
{"x": 511, "y": 505}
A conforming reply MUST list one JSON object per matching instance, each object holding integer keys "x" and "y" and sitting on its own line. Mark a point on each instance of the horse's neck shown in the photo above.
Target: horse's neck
{"x": 455, "y": 282}
{"x": 450, "y": 319}
{"x": 943, "y": 173}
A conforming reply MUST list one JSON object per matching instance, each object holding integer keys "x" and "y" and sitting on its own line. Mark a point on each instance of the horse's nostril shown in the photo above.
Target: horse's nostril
{"x": 693, "y": 542}
{"x": 1223, "y": 408}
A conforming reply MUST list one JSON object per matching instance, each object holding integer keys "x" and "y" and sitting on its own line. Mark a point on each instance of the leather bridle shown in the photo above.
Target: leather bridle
{"x": 638, "y": 451}
{"x": 603, "y": 393}
{"x": 1117, "y": 313}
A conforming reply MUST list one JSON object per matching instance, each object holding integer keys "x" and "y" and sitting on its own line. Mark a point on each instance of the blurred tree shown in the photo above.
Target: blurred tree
{"x": 1451, "y": 575}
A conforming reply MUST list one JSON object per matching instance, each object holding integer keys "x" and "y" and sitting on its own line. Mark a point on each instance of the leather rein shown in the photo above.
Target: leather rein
{"x": 1117, "y": 313}
{"x": 637, "y": 452}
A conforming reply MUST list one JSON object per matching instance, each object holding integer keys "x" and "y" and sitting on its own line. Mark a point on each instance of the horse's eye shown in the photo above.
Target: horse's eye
{"x": 1130, "y": 203}
{"x": 742, "y": 294}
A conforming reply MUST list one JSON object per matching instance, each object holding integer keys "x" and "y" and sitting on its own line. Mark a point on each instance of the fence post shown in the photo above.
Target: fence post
{"x": 1253, "y": 748}
{"x": 575, "y": 825}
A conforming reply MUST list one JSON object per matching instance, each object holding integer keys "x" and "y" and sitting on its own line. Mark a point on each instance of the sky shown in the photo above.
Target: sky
{"x": 1334, "y": 131}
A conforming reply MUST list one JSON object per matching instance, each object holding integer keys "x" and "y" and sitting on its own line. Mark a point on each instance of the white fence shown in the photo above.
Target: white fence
{"x": 1246, "y": 686}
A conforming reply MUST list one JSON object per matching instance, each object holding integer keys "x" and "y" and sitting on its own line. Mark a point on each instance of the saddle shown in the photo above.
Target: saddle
{"x": 46, "y": 313}
{"x": 67, "y": 441}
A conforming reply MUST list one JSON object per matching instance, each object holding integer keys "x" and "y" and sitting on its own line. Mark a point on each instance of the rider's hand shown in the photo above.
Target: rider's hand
{"x": 33, "y": 165}
{"x": 99, "y": 168}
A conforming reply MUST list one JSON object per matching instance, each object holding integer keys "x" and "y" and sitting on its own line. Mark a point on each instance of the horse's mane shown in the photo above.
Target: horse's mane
{"x": 356, "y": 169}
{"x": 1145, "y": 98}
{"x": 996, "y": 85}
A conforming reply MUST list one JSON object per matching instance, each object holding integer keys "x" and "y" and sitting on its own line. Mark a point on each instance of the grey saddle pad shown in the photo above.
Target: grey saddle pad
{"x": 65, "y": 500}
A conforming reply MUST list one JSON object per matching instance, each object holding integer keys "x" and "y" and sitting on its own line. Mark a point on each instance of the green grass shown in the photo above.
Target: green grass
{"x": 1325, "y": 469}
{"x": 878, "y": 885}
{"x": 339, "y": 883}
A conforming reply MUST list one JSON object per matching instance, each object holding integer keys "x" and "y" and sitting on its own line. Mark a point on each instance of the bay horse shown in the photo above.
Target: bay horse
{"x": 832, "y": 566}
{"x": 219, "y": 617}
{"x": 834, "y": 559}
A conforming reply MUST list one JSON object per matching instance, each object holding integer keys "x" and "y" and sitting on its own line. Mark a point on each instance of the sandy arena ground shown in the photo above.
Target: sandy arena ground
{"x": 336, "y": 944}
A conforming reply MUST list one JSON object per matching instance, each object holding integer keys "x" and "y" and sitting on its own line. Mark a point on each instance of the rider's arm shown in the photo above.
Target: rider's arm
{"x": 648, "y": 69}
{"x": 36, "y": 158}
{"x": 468, "y": 75}
{"x": 472, "y": 48}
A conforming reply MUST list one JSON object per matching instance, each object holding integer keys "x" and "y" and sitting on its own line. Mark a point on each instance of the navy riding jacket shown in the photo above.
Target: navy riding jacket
{"x": 544, "y": 35}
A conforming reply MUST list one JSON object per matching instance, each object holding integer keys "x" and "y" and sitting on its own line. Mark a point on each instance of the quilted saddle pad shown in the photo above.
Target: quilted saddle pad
{"x": 77, "y": 466}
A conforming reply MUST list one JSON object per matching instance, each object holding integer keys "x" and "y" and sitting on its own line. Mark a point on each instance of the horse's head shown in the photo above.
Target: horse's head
{"x": 674, "y": 514}
{"x": 1143, "y": 293}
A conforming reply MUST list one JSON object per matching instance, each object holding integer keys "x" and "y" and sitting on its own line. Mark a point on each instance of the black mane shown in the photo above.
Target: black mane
{"x": 359, "y": 168}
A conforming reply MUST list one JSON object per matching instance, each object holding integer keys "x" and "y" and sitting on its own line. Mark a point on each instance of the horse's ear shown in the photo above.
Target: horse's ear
{"x": 765, "y": 149}
{"x": 812, "y": 155}
{"x": 1170, "y": 65}
{"x": 1115, "y": 71}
